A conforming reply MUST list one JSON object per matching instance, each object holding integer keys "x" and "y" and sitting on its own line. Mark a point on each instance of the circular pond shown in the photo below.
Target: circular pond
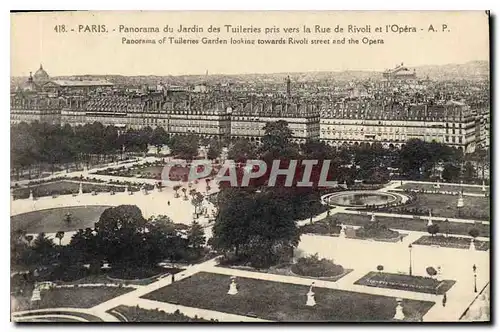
{"x": 360, "y": 198}
{"x": 56, "y": 219}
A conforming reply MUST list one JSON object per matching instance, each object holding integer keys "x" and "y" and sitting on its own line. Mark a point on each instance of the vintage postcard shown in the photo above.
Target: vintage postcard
{"x": 250, "y": 166}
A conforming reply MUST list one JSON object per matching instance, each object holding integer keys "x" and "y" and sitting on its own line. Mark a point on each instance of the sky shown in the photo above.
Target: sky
{"x": 36, "y": 38}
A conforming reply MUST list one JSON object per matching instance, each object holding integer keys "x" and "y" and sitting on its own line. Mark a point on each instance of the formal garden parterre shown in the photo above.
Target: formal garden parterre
{"x": 406, "y": 282}
{"x": 445, "y": 206}
{"x": 65, "y": 187}
{"x": 410, "y": 224}
{"x": 283, "y": 301}
{"x": 444, "y": 187}
{"x": 452, "y": 242}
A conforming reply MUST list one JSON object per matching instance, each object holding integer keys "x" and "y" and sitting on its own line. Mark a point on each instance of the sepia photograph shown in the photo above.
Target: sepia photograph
{"x": 250, "y": 166}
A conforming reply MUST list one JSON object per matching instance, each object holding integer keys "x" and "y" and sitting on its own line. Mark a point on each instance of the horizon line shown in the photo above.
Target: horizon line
{"x": 264, "y": 73}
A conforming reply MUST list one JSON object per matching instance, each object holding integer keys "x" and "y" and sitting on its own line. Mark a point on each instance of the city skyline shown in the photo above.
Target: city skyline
{"x": 34, "y": 41}
{"x": 248, "y": 73}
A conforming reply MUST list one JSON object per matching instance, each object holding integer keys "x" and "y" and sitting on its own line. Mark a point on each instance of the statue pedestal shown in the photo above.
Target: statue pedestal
{"x": 399, "y": 312}
{"x": 472, "y": 245}
{"x": 342, "y": 232}
{"x": 233, "y": 290}
{"x": 311, "y": 302}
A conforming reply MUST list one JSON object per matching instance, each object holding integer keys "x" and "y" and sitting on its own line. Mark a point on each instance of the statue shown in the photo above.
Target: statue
{"x": 311, "y": 302}
{"x": 460, "y": 202}
{"x": 429, "y": 223}
{"x": 233, "y": 289}
{"x": 399, "y": 311}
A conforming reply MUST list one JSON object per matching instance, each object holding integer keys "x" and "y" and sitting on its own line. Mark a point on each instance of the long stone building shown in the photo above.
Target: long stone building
{"x": 359, "y": 121}
{"x": 355, "y": 122}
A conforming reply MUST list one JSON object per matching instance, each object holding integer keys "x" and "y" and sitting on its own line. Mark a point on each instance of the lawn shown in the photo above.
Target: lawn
{"x": 131, "y": 273}
{"x": 286, "y": 270}
{"x": 452, "y": 242}
{"x": 413, "y": 224}
{"x": 149, "y": 171}
{"x": 282, "y": 301}
{"x": 405, "y": 282}
{"x": 63, "y": 188}
{"x": 74, "y": 297}
{"x": 443, "y": 187}
{"x": 52, "y": 220}
{"x": 140, "y": 315}
{"x": 446, "y": 206}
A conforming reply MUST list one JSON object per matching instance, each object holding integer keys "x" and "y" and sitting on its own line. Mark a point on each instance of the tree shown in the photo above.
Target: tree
{"x": 159, "y": 137}
{"x": 431, "y": 271}
{"x": 121, "y": 233}
{"x": 196, "y": 236}
{"x": 60, "y": 235}
{"x": 29, "y": 238}
{"x": 474, "y": 232}
{"x": 446, "y": 227}
{"x": 241, "y": 151}
{"x": 257, "y": 227}
{"x": 196, "y": 201}
{"x": 176, "y": 188}
{"x": 433, "y": 229}
{"x": 276, "y": 141}
{"x": 450, "y": 172}
{"x": 185, "y": 147}
{"x": 43, "y": 247}
{"x": 469, "y": 171}
{"x": 214, "y": 150}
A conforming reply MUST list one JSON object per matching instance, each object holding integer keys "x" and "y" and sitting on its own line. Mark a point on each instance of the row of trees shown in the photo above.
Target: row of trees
{"x": 415, "y": 160}
{"x": 42, "y": 143}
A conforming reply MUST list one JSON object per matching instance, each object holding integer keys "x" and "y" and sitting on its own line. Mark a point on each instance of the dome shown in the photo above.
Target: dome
{"x": 41, "y": 75}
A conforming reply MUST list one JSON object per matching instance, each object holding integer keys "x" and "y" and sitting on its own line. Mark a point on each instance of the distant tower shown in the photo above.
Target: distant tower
{"x": 288, "y": 84}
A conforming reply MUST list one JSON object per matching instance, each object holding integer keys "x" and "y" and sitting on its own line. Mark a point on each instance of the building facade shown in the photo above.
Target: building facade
{"x": 393, "y": 124}
{"x": 249, "y": 119}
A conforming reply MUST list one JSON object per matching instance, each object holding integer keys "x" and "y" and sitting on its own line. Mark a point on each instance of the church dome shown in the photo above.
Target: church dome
{"x": 41, "y": 75}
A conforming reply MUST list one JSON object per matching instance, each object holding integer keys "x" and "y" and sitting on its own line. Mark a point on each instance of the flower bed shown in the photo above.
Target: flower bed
{"x": 412, "y": 224}
{"x": 377, "y": 231}
{"x": 323, "y": 227}
{"x": 443, "y": 187}
{"x": 405, "y": 282}
{"x": 140, "y": 315}
{"x": 66, "y": 188}
{"x": 477, "y": 208}
{"x": 314, "y": 267}
{"x": 452, "y": 242}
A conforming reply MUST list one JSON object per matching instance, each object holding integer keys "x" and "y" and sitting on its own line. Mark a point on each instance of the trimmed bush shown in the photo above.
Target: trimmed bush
{"x": 312, "y": 266}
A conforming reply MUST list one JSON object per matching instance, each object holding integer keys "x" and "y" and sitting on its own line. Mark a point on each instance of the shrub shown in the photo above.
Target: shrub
{"x": 474, "y": 232}
{"x": 431, "y": 271}
{"x": 314, "y": 267}
{"x": 376, "y": 230}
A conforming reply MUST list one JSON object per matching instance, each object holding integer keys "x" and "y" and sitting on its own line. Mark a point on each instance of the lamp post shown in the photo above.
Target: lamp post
{"x": 409, "y": 248}
{"x": 474, "y": 268}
